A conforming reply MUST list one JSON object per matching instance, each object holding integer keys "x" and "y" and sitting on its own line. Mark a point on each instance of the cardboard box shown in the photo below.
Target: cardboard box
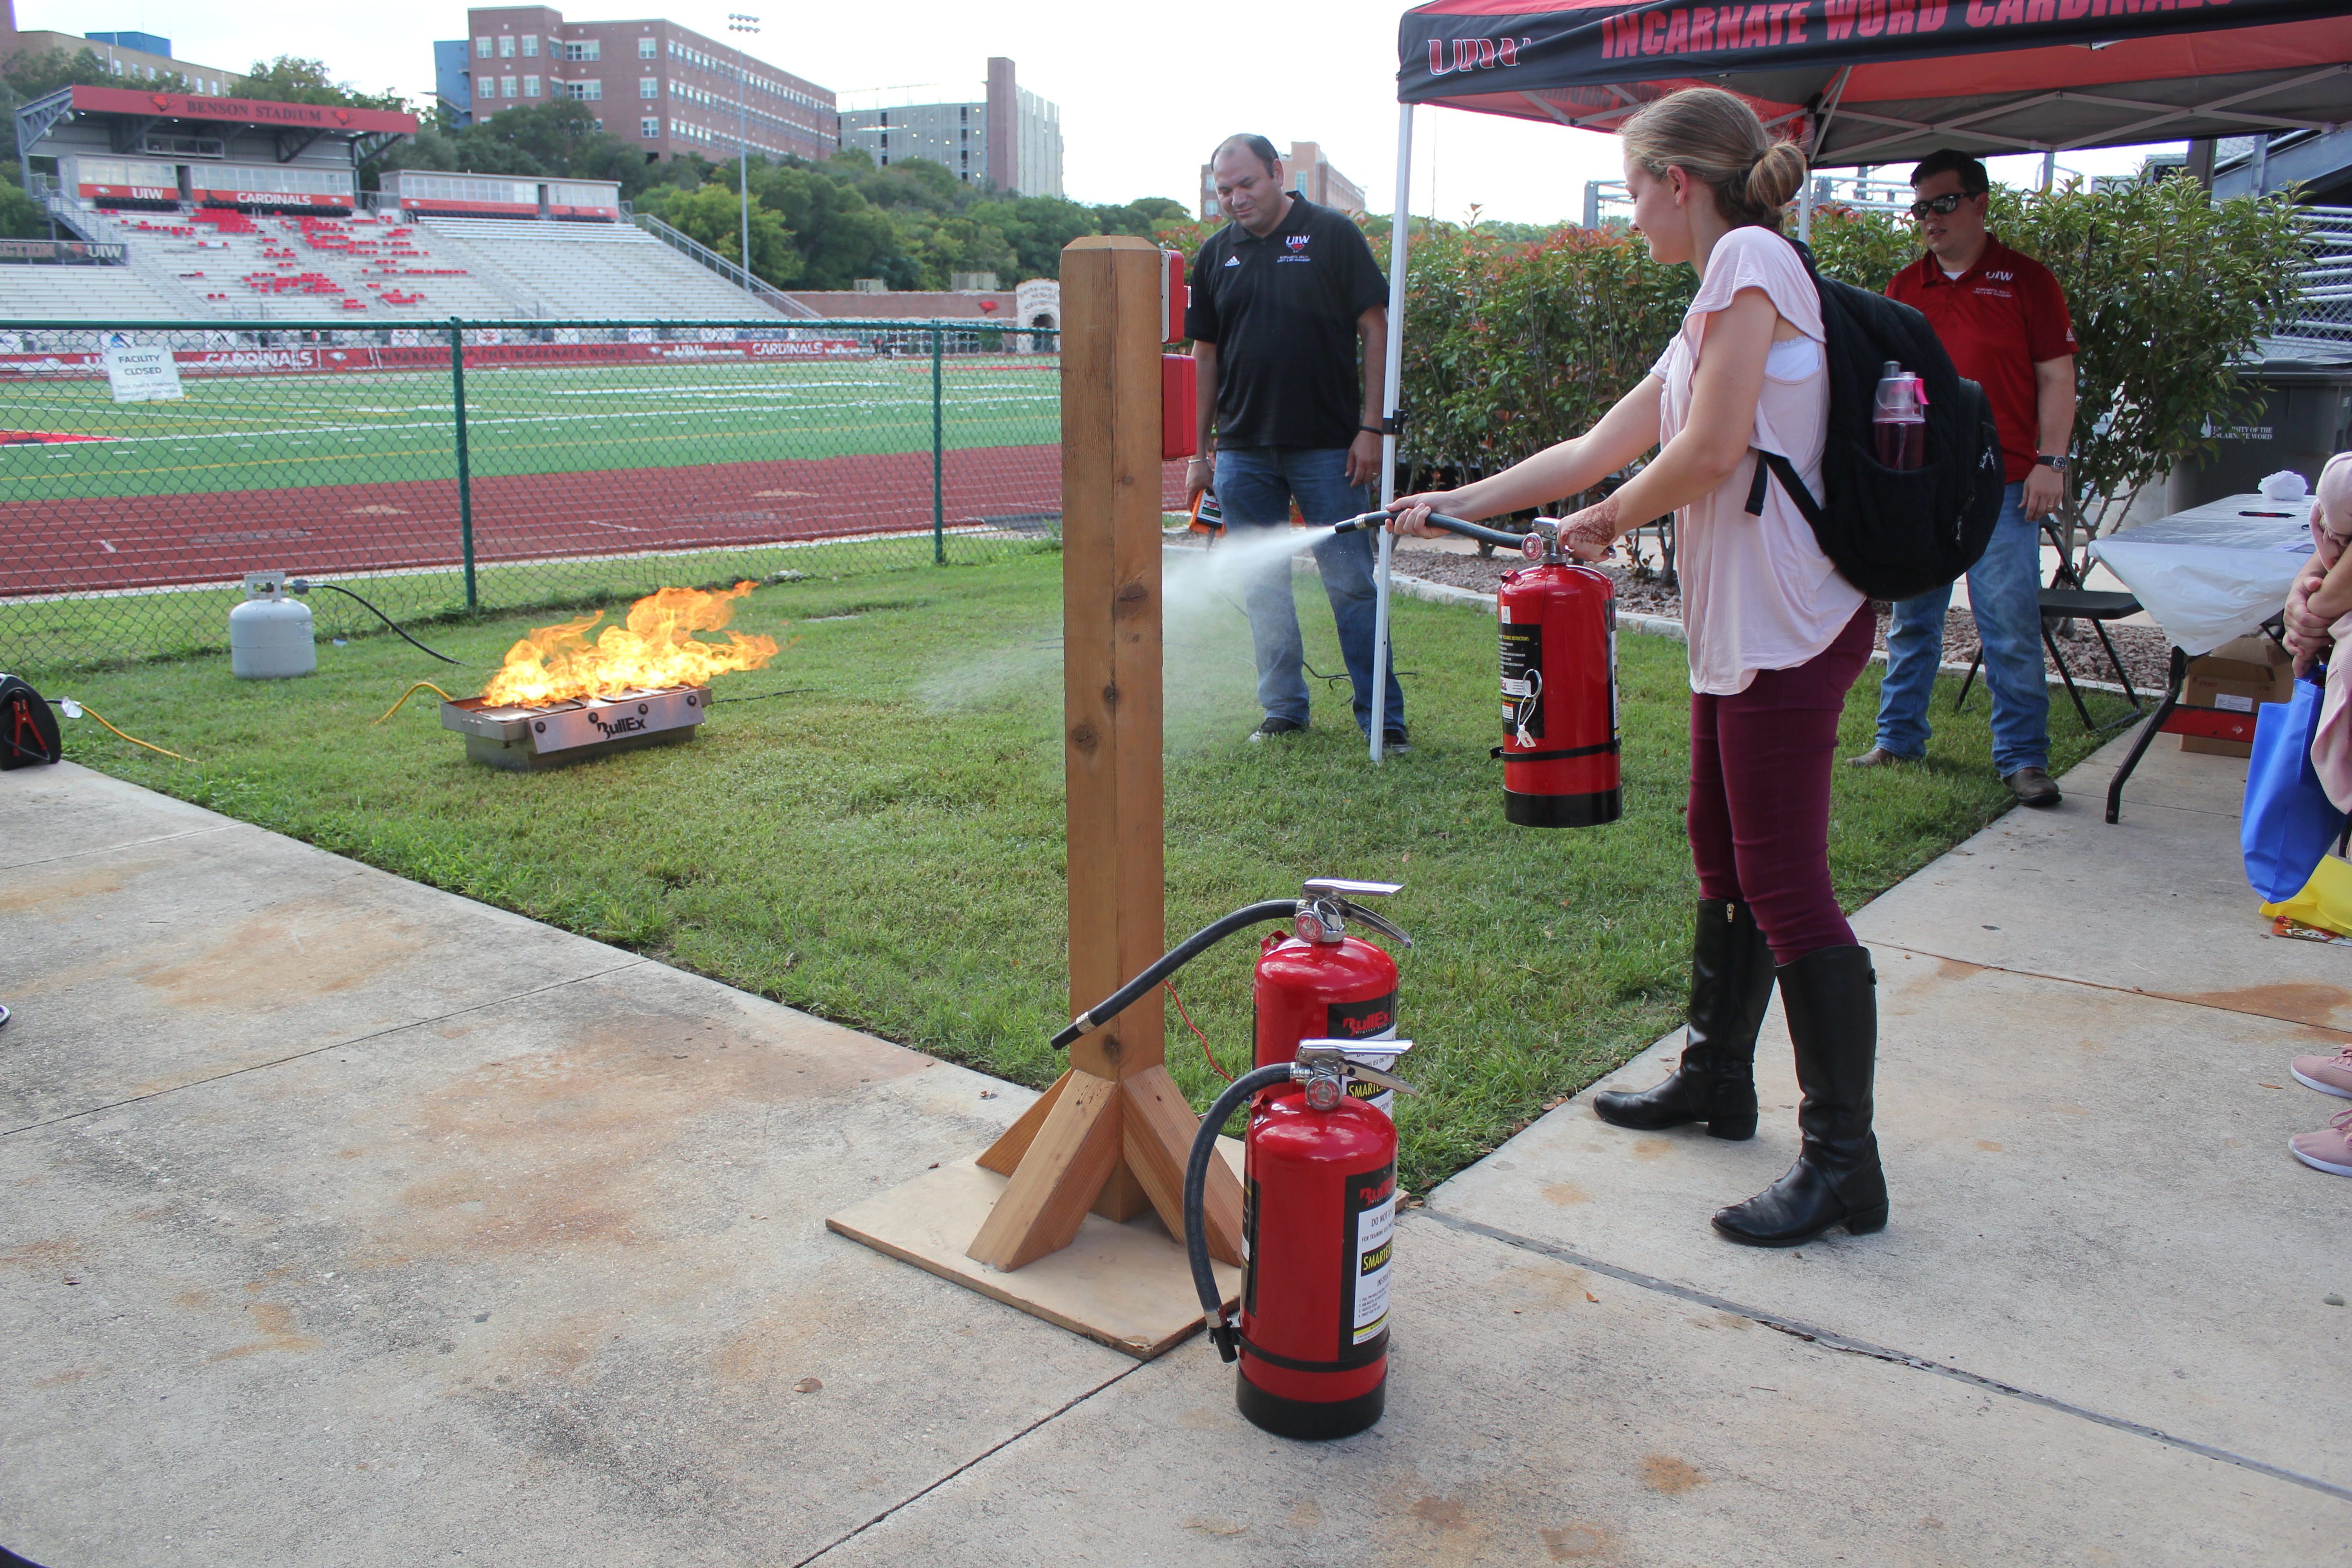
{"x": 2238, "y": 675}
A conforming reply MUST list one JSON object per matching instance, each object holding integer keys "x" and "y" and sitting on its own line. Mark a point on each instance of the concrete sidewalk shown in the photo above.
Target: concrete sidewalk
{"x": 351, "y": 1222}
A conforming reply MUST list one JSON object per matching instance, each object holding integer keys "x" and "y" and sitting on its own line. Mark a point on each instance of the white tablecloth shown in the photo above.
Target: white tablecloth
{"x": 2214, "y": 572}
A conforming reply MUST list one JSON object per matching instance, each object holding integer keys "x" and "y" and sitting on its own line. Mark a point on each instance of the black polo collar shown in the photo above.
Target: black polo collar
{"x": 1302, "y": 214}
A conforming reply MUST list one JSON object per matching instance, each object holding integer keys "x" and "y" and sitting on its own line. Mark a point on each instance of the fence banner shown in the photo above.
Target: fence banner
{"x": 141, "y": 373}
{"x": 310, "y": 359}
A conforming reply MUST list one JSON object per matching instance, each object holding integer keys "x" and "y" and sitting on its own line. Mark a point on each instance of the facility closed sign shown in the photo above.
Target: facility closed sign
{"x": 141, "y": 373}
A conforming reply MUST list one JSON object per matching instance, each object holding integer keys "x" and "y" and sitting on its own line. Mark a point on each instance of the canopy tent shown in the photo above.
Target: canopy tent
{"x": 1870, "y": 81}
{"x": 1875, "y": 81}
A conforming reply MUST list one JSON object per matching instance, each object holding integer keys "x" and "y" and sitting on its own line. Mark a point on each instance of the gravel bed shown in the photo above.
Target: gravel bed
{"x": 2146, "y": 654}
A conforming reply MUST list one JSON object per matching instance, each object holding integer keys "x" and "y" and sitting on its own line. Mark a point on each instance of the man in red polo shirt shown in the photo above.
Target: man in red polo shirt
{"x": 2004, "y": 319}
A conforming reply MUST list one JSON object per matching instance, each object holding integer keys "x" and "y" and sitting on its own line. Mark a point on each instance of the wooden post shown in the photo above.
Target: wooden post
{"x": 1112, "y": 1134}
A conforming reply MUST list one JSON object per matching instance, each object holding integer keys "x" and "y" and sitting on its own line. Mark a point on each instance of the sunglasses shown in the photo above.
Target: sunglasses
{"x": 1940, "y": 206}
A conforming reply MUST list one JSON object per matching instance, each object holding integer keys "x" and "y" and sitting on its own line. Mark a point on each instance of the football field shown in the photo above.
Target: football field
{"x": 357, "y": 471}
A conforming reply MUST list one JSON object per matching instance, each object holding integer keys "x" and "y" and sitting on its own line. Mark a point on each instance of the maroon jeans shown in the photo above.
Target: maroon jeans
{"x": 1759, "y": 794}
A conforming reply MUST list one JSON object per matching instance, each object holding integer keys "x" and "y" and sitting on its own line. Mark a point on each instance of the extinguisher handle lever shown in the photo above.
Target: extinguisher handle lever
{"x": 1368, "y": 1060}
{"x": 1387, "y": 928}
{"x": 1314, "y": 886}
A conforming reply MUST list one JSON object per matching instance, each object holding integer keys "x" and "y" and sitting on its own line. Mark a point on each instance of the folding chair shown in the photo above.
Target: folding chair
{"x": 2066, "y": 598}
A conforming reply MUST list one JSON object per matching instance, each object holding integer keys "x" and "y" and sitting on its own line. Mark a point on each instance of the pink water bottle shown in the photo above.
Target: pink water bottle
{"x": 1900, "y": 419}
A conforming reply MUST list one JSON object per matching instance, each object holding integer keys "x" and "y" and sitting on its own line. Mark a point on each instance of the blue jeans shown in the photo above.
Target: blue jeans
{"x": 1256, "y": 486}
{"x": 2004, "y": 592}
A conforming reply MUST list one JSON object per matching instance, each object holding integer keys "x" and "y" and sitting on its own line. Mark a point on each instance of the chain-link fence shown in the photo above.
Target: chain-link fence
{"x": 2322, "y": 327}
{"x": 488, "y": 465}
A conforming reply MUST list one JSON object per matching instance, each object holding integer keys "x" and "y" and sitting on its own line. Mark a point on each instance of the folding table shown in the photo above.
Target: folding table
{"x": 2206, "y": 576}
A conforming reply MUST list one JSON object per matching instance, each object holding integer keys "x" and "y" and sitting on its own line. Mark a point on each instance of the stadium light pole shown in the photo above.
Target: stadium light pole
{"x": 738, "y": 23}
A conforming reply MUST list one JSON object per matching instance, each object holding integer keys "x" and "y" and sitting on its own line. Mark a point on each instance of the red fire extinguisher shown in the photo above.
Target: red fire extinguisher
{"x": 1558, "y": 621}
{"x": 1318, "y": 1216}
{"x": 1558, "y": 624}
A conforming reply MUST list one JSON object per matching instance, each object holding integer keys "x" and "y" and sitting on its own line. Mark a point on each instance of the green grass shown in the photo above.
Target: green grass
{"x": 887, "y": 849}
{"x": 281, "y": 431}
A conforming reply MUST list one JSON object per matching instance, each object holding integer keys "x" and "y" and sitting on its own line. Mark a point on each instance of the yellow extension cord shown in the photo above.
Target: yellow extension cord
{"x": 420, "y": 686}
{"x": 132, "y": 739}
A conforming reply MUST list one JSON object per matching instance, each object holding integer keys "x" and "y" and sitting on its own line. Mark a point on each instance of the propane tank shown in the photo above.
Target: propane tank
{"x": 270, "y": 635}
{"x": 1558, "y": 624}
{"x": 1319, "y": 1210}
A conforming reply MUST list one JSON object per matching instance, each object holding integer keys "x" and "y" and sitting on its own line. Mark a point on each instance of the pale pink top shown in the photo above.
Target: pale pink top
{"x": 1758, "y": 592}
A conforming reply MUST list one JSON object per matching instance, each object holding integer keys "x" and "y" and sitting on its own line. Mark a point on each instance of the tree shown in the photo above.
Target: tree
{"x": 712, "y": 216}
{"x": 290, "y": 78}
{"x": 20, "y": 218}
{"x": 841, "y": 237}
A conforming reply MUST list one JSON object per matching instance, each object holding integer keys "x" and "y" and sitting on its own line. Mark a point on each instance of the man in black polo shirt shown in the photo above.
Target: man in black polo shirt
{"x": 1283, "y": 297}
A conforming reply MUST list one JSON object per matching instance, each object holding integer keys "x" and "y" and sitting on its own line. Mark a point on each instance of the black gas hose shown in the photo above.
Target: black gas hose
{"x": 1196, "y": 1183}
{"x": 1182, "y": 953}
{"x": 300, "y": 585}
{"x": 1478, "y": 531}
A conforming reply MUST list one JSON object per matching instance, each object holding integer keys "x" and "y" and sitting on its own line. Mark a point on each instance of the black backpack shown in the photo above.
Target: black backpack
{"x": 29, "y": 730}
{"x": 1894, "y": 532}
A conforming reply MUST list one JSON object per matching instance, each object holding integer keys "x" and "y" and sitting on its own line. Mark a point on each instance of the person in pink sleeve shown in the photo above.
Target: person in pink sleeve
{"x": 2318, "y": 617}
{"x": 1776, "y": 637}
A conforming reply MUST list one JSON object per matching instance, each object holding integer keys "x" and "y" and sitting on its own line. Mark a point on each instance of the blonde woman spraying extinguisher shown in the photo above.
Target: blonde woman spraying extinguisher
{"x": 1776, "y": 637}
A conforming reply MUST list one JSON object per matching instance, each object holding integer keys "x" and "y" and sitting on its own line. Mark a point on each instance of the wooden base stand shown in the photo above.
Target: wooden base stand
{"x": 1124, "y": 1285}
{"x": 1061, "y": 1155}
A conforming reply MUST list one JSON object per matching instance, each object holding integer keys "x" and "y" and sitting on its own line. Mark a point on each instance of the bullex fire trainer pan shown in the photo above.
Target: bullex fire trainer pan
{"x": 523, "y": 738}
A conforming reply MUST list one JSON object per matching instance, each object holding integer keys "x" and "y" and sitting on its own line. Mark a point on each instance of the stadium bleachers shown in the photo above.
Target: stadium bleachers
{"x": 39, "y": 293}
{"x": 593, "y": 269}
{"x": 219, "y": 263}
{"x": 223, "y": 263}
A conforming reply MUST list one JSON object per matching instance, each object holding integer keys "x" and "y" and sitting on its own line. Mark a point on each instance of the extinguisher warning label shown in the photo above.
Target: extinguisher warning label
{"x": 1523, "y": 681}
{"x": 1370, "y": 1206}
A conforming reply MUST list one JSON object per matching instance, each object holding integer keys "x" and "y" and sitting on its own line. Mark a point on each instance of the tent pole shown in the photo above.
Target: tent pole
{"x": 1399, "y": 213}
{"x": 1805, "y": 209}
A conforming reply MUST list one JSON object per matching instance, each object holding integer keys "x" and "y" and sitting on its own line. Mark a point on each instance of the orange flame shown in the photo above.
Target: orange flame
{"x": 557, "y": 664}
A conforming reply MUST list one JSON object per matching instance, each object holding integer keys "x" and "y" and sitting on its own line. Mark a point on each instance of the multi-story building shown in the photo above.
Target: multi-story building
{"x": 1310, "y": 175}
{"x": 140, "y": 56}
{"x": 1005, "y": 136}
{"x": 666, "y": 87}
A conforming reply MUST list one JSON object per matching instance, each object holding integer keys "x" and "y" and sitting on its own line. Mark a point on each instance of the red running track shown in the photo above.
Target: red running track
{"x": 139, "y": 541}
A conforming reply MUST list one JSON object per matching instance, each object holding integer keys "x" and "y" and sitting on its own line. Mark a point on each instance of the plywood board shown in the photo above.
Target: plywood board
{"x": 1125, "y": 1286}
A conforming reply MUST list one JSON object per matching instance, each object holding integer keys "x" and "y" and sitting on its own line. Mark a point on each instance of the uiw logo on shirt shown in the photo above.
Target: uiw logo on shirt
{"x": 1298, "y": 243}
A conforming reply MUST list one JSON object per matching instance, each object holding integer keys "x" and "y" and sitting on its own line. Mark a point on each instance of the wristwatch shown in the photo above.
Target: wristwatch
{"x": 2057, "y": 461}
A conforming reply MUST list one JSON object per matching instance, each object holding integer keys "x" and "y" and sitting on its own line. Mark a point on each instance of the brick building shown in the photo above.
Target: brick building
{"x": 140, "y": 56}
{"x": 1005, "y": 136}
{"x": 666, "y": 88}
{"x": 1310, "y": 175}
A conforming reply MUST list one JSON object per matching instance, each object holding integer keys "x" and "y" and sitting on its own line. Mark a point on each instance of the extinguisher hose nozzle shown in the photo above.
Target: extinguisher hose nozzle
{"x": 1485, "y": 535}
{"x": 1196, "y": 1183}
{"x": 1176, "y": 958}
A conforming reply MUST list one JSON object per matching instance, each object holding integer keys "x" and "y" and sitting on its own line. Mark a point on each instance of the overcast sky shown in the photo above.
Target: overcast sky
{"x": 1141, "y": 102}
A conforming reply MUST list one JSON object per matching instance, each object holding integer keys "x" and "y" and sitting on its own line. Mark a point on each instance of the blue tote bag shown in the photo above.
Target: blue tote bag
{"x": 2288, "y": 823}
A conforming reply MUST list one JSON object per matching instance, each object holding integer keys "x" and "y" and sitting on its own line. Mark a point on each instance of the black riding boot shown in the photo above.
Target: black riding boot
{"x": 1831, "y": 1005}
{"x": 1731, "y": 981}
